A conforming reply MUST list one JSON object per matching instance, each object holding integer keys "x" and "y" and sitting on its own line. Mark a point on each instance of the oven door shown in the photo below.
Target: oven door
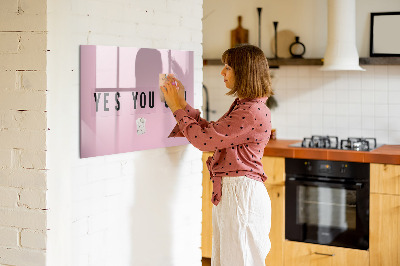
{"x": 327, "y": 213}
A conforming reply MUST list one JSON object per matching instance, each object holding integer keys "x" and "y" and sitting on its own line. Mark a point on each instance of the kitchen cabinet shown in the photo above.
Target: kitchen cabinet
{"x": 385, "y": 215}
{"x": 305, "y": 254}
{"x": 274, "y": 168}
{"x": 385, "y": 230}
{"x": 277, "y": 233}
{"x": 206, "y": 225}
{"x": 384, "y": 221}
{"x": 384, "y": 245}
{"x": 385, "y": 178}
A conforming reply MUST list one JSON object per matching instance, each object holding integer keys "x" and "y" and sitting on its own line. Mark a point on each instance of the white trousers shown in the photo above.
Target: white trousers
{"x": 241, "y": 223}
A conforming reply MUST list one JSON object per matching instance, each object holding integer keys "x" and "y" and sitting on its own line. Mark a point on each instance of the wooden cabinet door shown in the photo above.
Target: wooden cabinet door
{"x": 277, "y": 233}
{"x": 385, "y": 178}
{"x": 274, "y": 168}
{"x": 384, "y": 236}
{"x": 304, "y": 254}
{"x": 206, "y": 225}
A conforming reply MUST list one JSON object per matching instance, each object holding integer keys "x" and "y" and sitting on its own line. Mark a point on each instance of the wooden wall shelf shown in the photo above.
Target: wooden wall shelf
{"x": 380, "y": 61}
{"x": 273, "y": 63}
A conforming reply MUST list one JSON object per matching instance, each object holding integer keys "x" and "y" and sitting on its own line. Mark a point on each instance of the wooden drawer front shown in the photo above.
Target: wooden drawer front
{"x": 277, "y": 233}
{"x": 304, "y": 254}
{"x": 385, "y": 178}
{"x": 384, "y": 237}
{"x": 274, "y": 168}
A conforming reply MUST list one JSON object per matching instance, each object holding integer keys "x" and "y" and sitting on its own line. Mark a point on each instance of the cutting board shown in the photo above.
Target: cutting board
{"x": 239, "y": 35}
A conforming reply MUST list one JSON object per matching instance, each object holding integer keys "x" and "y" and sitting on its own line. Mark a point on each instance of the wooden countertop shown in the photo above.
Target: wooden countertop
{"x": 389, "y": 154}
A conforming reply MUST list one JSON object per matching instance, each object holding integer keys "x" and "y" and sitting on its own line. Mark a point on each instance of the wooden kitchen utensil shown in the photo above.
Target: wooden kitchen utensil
{"x": 239, "y": 35}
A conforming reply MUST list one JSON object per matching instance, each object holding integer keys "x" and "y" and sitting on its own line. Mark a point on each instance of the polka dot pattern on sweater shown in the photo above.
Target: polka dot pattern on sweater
{"x": 238, "y": 139}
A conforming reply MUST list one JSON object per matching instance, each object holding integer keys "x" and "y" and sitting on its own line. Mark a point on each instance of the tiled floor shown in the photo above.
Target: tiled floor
{"x": 206, "y": 261}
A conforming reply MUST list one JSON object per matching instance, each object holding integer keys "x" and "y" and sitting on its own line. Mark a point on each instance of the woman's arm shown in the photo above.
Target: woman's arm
{"x": 239, "y": 127}
{"x": 195, "y": 114}
{"x": 175, "y": 98}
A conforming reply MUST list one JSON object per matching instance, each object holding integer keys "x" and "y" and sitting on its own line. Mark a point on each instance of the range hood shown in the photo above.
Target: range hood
{"x": 341, "y": 51}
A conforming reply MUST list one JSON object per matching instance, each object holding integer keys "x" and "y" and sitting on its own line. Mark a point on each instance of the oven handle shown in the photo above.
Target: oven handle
{"x": 357, "y": 185}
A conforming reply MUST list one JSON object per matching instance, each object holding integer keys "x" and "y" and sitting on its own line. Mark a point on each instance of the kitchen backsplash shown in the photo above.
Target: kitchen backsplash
{"x": 314, "y": 102}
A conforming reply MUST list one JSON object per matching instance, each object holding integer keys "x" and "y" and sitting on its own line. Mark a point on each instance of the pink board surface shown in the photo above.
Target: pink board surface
{"x": 120, "y": 104}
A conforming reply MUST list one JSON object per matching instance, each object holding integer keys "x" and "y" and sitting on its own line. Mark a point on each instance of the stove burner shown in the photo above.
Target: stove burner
{"x": 332, "y": 142}
{"x": 358, "y": 144}
{"x": 328, "y": 142}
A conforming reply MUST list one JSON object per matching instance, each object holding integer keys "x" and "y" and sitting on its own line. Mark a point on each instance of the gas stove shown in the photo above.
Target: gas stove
{"x": 332, "y": 142}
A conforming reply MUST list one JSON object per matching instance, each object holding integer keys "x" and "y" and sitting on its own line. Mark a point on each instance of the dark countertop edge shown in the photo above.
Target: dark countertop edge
{"x": 386, "y": 154}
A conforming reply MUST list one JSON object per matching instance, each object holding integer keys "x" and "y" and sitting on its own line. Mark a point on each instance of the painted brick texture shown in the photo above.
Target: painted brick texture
{"x": 138, "y": 208}
{"x": 9, "y": 237}
{"x": 23, "y": 15}
{"x": 99, "y": 207}
{"x": 23, "y": 125}
{"x": 33, "y": 239}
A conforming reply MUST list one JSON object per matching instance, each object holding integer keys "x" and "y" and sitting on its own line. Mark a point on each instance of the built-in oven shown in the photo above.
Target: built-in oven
{"x": 327, "y": 202}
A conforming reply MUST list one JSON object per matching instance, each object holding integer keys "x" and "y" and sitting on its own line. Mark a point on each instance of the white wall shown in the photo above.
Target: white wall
{"x": 311, "y": 102}
{"x": 306, "y": 19}
{"x": 139, "y": 208}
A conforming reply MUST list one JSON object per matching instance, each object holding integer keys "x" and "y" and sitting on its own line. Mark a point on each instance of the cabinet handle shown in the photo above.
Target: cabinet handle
{"x": 324, "y": 254}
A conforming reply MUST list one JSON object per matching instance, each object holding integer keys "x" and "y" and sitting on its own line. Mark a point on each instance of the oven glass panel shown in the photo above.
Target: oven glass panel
{"x": 326, "y": 207}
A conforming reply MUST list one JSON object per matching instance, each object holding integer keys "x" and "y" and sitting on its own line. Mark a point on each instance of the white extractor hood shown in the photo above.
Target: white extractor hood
{"x": 341, "y": 51}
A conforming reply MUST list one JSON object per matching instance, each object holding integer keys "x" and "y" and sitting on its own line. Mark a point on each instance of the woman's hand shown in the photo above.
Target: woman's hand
{"x": 171, "y": 94}
{"x": 181, "y": 91}
{"x": 180, "y": 88}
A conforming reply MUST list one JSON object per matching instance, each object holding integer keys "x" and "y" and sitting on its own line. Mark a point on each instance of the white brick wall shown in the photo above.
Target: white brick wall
{"x": 9, "y": 237}
{"x": 92, "y": 202}
{"x": 9, "y": 197}
{"x": 138, "y": 208}
{"x": 33, "y": 239}
{"x": 11, "y": 256}
{"x": 23, "y": 132}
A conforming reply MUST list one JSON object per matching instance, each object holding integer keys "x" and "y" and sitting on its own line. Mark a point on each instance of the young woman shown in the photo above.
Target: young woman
{"x": 242, "y": 209}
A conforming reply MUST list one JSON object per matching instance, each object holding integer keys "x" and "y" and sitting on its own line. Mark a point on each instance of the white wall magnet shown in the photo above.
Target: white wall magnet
{"x": 141, "y": 126}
